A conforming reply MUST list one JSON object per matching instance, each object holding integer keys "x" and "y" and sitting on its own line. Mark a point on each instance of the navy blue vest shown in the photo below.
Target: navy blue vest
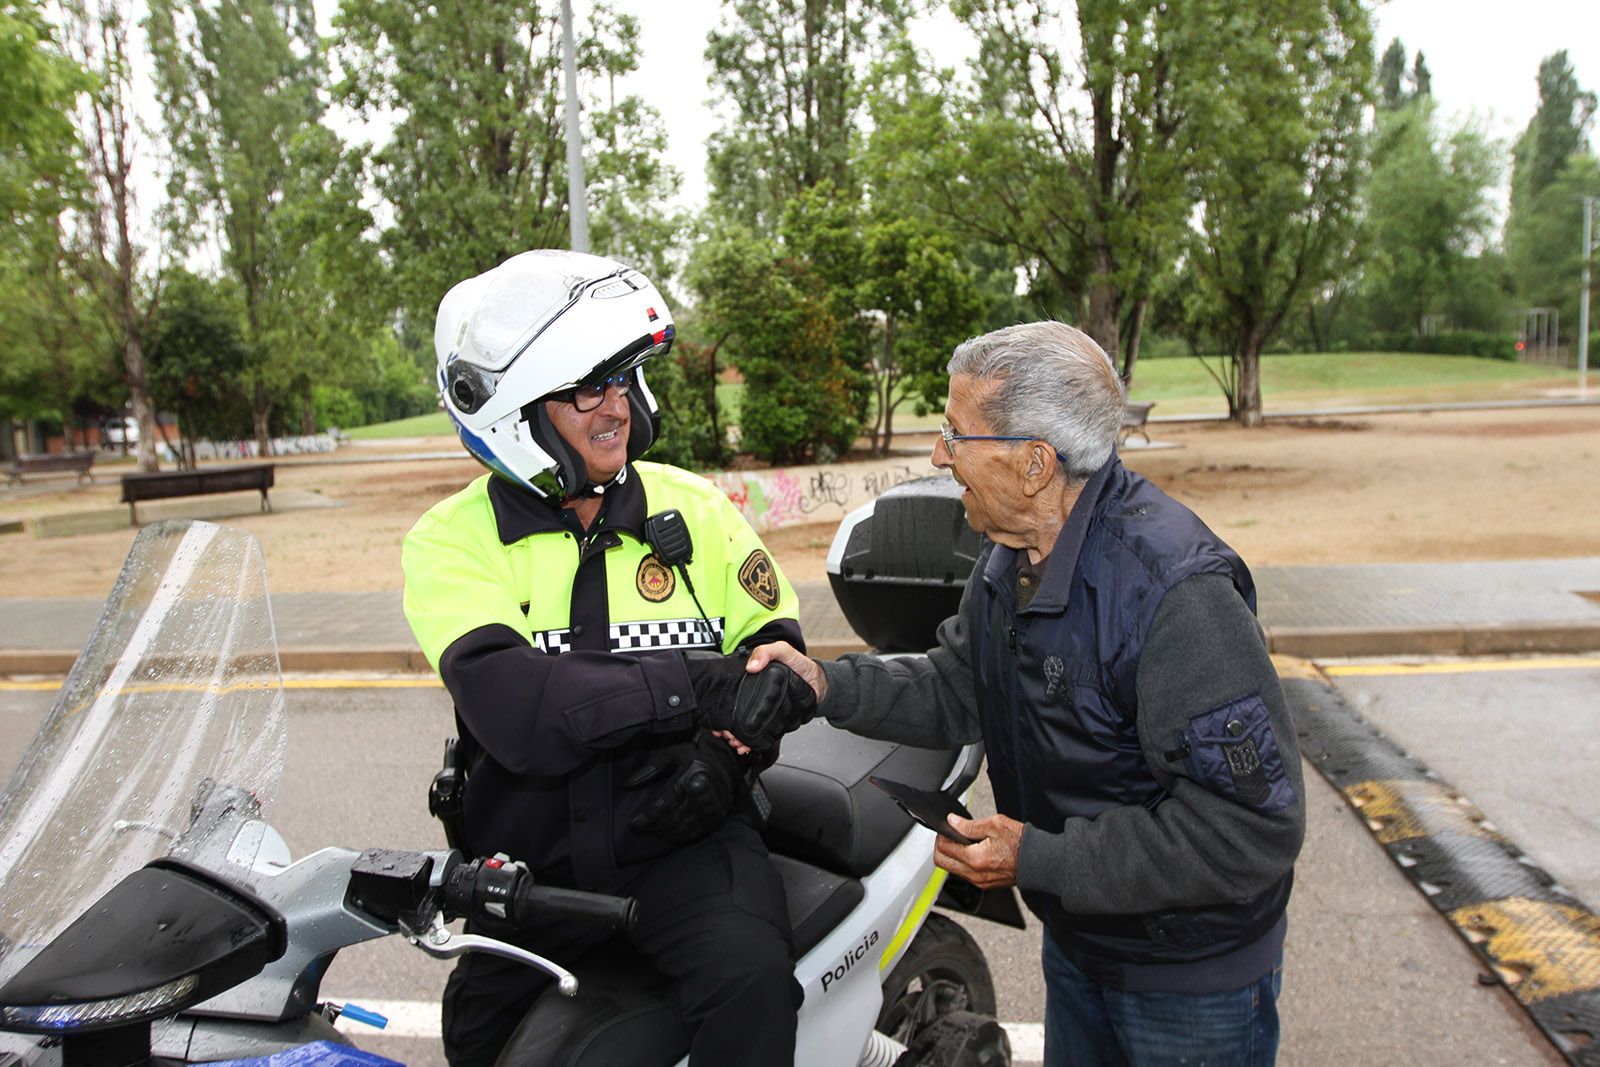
{"x": 1056, "y": 692}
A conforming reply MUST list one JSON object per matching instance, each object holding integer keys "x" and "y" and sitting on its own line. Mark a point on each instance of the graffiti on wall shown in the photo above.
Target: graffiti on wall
{"x": 787, "y": 496}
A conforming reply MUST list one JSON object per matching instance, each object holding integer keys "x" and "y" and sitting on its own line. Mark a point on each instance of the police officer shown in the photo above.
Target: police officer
{"x": 589, "y": 614}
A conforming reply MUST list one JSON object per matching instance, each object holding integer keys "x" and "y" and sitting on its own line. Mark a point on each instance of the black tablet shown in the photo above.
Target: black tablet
{"x": 927, "y": 806}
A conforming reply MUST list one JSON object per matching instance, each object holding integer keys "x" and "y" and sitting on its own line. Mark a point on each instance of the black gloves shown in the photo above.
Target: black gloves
{"x": 699, "y": 780}
{"x": 758, "y": 709}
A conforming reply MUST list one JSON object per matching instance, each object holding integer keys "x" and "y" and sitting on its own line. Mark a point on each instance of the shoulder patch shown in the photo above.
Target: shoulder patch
{"x": 655, "y": 580}
{"x": 760, "y": 579}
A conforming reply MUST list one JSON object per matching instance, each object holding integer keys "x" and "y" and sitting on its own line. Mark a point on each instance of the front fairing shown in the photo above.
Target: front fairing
{"x": 178, "y": 689}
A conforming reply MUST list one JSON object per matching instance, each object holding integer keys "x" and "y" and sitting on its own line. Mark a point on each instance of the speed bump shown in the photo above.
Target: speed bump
{"x": 1538, "y": 940}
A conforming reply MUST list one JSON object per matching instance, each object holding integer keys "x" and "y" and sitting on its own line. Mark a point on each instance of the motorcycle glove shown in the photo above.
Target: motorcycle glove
{"x": 699, "y": 780}
{"x": 758, "y": 709}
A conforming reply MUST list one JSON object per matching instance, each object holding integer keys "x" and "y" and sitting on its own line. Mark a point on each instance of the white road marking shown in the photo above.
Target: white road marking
{"x": 420, "y": 1019}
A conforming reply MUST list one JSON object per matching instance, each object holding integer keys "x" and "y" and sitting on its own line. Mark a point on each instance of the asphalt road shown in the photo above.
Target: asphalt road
{"x": 1373, "y": 975}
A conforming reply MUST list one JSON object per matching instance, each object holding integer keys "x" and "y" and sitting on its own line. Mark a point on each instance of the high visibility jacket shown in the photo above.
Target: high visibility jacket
{"x": 558, "y": 646}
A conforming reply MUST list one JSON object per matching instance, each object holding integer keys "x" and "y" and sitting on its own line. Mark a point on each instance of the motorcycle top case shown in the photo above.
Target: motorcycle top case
{"x": 899, "y": 563}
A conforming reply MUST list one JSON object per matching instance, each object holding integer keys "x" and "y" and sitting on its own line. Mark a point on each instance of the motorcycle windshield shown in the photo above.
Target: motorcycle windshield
{"x": 179, "y": 683}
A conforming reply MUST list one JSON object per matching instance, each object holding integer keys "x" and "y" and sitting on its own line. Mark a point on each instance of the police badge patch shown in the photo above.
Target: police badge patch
{"x": 655, "y": 581}
{"x": 759, "y": 579}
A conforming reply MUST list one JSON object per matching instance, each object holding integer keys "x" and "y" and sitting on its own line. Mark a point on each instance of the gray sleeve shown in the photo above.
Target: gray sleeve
{"x": 1204, "y": 673}
{"x": 926, "y": 700}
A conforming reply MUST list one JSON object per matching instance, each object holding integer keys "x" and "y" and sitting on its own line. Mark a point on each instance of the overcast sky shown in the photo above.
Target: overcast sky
{"x": 1484, "y": 56}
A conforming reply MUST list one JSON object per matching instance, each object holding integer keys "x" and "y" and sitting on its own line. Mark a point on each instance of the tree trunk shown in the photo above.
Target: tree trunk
{"x": 1247, "y": 410}
{"x": 1105, "y": 304}
{"x": 261, "y": 415}
{"x": 1135, "y": 335}
{"x": 308, "y": 418}
{"x": 886, "y": 402}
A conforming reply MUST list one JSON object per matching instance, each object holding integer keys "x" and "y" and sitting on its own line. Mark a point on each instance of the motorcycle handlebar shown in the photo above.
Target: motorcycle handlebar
{"x": 494, "y": 889}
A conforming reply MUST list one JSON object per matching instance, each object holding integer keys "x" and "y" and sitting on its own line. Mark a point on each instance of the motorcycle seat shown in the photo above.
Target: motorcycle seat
{"x": 825, "y": 812}
{"x": 626, "y": 1011}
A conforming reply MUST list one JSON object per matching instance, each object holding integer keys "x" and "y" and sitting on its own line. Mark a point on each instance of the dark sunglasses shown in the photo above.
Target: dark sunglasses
{"x": 590, "y": 396}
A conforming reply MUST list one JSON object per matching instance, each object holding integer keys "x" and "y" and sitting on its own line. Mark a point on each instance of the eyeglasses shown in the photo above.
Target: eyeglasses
{"x": 948, "y": 434}
{"x": 589, "y": 397}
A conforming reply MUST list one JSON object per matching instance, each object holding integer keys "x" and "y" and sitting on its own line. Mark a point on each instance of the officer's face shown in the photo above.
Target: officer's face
{"x": 600, "y": 436}
{"x": 987, "y": 469}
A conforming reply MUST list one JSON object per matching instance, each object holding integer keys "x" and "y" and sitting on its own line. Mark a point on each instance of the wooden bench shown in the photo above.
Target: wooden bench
{"x": 49, "y": 463}
{"x": 1133, "y": 420}
{"x": 162, "y": 485}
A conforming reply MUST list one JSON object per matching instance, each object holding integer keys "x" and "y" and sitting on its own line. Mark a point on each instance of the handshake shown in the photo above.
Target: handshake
{"x": 755, "y": 709}
{"x": 698, "y": 780}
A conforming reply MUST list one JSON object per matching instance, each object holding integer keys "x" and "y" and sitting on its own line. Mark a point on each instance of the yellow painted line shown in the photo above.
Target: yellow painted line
{"x": 1402, "y": 809}
{"x": 428, "y": 681}
{"x": 1561, "y": 663}
{"x": 913, "y": 922}
{"x": 1541, "y": 949}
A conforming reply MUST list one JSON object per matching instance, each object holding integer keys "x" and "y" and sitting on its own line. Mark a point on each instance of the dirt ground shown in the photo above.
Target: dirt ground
{"x": 1445, "y": 486}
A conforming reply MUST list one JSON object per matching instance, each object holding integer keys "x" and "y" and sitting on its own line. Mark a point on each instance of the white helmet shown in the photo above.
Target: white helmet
{"x": 537, "y": 324}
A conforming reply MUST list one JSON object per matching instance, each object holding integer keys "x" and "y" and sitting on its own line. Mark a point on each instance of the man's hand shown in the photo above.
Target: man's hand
{"x": 989, "y": 864}
{"x": 785, "y": 653}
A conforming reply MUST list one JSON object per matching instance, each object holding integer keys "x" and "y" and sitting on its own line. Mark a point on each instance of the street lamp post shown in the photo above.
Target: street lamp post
{"x": 577, "y": 196}
{"x": 1583, "y": 297}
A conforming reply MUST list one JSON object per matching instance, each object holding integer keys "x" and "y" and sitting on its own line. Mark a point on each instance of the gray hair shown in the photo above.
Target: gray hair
{"x": 1055, "y": 384}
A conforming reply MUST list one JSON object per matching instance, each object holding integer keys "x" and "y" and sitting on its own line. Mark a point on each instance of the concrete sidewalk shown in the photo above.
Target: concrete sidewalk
{"x": 1440, "y": 609}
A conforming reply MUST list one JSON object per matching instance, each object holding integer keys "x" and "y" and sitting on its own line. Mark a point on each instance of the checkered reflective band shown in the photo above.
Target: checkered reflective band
{"x": 554, "y": 642}
{"x": 666, "y": 633}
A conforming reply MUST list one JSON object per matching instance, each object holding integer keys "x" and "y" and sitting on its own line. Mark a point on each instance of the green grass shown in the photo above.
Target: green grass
{"x": 433, "y": 424}
{"x": 1180, "y": 385}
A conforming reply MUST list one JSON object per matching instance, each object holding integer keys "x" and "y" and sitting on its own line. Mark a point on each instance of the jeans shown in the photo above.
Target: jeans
{"x": 1087, "y": 1024}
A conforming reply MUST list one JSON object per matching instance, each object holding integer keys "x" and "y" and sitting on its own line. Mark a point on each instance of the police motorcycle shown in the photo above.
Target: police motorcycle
{"x": 149, "y": 912}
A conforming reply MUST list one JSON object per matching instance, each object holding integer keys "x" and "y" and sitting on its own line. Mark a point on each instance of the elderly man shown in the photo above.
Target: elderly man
{"x": 1145, "y": 769}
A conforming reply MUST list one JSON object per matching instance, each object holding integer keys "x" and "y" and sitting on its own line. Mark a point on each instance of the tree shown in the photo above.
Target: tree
{"x": 120, "y": 263}
{"x": 1550, "y": 169}
{"x": 1085, "y": 179}
{"x": 199, "y": 363}
{"x": 1428, "y": 213}
{"x": 922, "y": 302}
{"x": 1391, "y": 72}
{"x": 791, "y": 74}
{"x": 801, "y": 356}
{"x": 240, "y": 84}
{"x": 1277, "y": 185}
{"x": 474, "y": 170}
{"x": 43, "y": 322}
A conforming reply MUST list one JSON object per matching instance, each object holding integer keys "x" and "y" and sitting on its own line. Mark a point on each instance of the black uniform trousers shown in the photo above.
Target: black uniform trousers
{"x": 711, "y": 916}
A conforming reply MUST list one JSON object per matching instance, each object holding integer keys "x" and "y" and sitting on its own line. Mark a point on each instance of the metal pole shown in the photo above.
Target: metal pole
{"x": 1583, "y": 297}
{"x": 577, "y": 197}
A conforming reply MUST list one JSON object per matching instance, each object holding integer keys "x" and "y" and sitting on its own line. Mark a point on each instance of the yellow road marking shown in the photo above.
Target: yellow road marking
{"x": 421, "y": 681}
{"x": 1554, "y": 663}
{"x": 1405, "y": 808}
{"x": 1541, "y": 949}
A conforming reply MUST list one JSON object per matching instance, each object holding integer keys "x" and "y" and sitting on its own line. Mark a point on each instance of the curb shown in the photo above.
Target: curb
{"x": 1303, "y": 642}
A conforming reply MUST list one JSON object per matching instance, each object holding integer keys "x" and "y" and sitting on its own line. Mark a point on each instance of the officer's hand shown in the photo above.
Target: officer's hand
{"x": 757, "y": 709}
{"x": 697, "y": 780}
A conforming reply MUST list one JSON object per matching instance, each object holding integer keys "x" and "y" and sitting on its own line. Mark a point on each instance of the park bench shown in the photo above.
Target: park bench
{"x": 1133, "y": 420}
{"x": 162, "y": 485}
{"x": 49, "y": 463}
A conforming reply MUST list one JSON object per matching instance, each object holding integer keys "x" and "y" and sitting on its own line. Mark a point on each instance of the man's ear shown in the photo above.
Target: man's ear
{"x": 1037, "y": 472}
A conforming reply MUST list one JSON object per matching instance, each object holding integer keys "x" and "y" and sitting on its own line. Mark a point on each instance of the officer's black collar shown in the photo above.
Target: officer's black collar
{"x": 518, "y": 513}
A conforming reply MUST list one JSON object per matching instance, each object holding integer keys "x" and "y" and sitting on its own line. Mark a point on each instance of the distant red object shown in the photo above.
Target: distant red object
{"x": 1521, "y": 345}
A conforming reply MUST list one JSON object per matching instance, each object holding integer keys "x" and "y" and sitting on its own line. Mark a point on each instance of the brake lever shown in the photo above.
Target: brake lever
{"x": 439, "y": 942}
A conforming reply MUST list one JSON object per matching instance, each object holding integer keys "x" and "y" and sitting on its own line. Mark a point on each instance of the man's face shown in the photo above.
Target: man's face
{"x": 600, "y": 436}
{"x": 987, "y": 469}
